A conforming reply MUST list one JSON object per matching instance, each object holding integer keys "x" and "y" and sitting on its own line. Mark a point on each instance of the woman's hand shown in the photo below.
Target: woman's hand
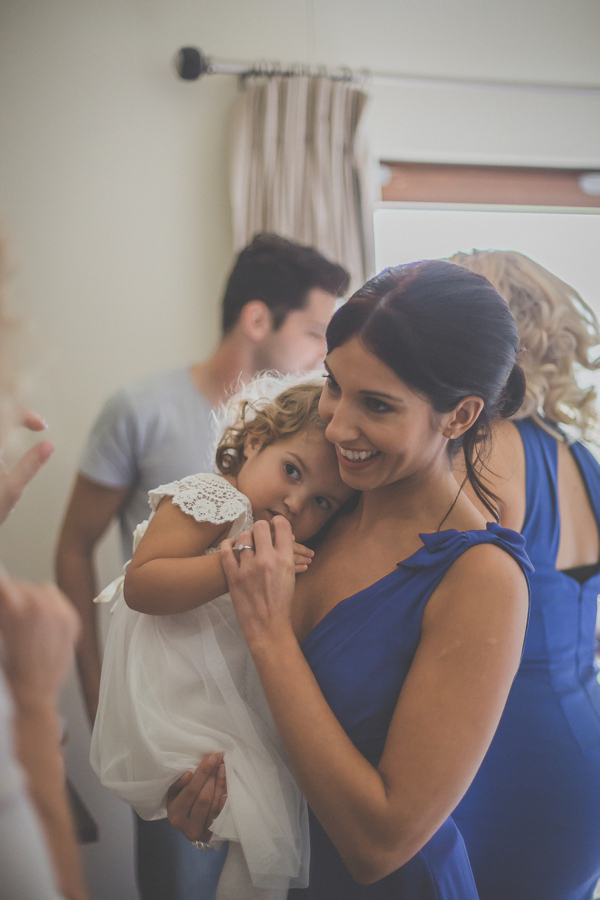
{"x": 303, "y": 556}
{"x": 195, "y": 800}
{"x": 262, "y": 581}
{"x": 39, "y": 627}
{"x": 14, "y": 482}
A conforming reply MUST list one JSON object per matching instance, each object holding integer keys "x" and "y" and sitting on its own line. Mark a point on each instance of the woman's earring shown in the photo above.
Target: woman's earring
{"x": 451, "y": 437}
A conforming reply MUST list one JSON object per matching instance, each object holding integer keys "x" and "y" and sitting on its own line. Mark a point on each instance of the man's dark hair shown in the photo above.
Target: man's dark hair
{"x": 280, "y": 273}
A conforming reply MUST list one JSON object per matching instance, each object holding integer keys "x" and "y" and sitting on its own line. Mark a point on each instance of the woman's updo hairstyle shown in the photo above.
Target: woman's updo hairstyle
{"x": 447, "y": 334}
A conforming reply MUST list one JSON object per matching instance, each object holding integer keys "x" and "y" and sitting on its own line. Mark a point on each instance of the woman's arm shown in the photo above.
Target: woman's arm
{"x": 446, "y": 714}
{"x": 169, "y": 572}
{"x": 39, "y": 628}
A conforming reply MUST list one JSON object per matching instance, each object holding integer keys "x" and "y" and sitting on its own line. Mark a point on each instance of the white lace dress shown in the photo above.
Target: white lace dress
{"x": 177, "y": 687}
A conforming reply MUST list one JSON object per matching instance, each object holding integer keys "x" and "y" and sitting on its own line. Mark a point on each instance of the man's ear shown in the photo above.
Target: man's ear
{"x": 256, "y": 320}
{"x": 252, "y": 445}
{"x": 462, "y": 417}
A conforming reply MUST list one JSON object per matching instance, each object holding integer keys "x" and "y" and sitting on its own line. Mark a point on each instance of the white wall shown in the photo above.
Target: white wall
{"x": 113, "y": 193}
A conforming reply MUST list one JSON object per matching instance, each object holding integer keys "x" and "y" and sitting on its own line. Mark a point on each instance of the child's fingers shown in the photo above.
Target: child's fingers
{"x": 301, "y": 563}
{"x": 302, "y": 557}
{"x": 301, "y": 550}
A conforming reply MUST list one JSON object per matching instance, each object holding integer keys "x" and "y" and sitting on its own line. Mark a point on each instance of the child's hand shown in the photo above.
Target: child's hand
{"x": 302, "y": 557}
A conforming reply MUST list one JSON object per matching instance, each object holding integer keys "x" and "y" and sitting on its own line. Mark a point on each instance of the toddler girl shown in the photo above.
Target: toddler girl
{"x": 179, "y": 683}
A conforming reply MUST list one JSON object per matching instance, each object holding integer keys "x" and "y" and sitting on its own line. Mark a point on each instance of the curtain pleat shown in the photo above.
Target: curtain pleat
{"x": 300, "y": 167}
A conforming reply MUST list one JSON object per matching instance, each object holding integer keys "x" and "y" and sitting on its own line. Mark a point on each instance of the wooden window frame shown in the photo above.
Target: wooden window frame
{"x": 493, "y": 185}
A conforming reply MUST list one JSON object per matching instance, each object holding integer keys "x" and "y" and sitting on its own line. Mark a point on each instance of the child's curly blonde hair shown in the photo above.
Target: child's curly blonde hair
{"x": 272, "y": 418}
{"x": 558, "y": 332}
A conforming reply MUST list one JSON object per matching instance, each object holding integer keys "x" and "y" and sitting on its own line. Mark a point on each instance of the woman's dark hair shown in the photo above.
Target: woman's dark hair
{"x": 447, "y": 334}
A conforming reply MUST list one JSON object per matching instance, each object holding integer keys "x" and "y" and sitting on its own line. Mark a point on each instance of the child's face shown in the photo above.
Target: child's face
{"x": 297, "y": 477}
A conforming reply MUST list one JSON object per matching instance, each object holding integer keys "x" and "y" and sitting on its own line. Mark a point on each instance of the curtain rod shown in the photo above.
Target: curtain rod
{"x": 191, "y": 63}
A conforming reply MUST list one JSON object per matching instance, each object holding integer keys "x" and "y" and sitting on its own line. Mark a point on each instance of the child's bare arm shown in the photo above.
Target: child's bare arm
{"x": 168, "y": 572}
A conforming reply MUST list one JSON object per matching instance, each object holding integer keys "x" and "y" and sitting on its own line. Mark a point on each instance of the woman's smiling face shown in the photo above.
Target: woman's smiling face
{"x": 383, "y": 431}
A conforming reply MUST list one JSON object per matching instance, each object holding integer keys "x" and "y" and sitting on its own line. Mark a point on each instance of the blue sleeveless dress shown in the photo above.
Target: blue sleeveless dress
{"x": 360, "y": 654}
{"x": 531, "y": 819}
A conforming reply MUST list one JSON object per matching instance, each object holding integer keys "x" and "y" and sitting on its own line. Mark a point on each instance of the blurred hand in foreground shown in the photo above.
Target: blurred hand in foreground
{"x": 14, "y": 481}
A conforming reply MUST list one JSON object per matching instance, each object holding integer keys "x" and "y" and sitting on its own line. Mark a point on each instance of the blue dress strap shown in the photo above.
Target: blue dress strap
{"x": 443, "y": 547}
{"x": 542, "y": 517}
{"x": 590, "y": 472}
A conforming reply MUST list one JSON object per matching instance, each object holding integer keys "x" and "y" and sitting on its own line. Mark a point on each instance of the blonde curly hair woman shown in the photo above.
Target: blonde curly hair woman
{"x": 558, "y": 333}
{"x": 530, "y": 819}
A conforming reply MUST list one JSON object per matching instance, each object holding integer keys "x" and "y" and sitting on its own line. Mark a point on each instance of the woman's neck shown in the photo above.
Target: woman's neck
{"x": 421, "y": 503}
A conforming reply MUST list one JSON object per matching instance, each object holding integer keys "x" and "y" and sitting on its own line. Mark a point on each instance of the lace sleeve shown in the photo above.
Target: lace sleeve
{"x": 206, "y": 497}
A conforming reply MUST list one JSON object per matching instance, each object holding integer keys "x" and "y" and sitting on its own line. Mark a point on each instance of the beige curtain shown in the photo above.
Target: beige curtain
{"x": 300, "y": 167}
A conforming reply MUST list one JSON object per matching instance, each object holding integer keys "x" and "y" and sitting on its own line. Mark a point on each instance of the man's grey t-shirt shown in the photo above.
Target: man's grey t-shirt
{"x": 149, "y": 433}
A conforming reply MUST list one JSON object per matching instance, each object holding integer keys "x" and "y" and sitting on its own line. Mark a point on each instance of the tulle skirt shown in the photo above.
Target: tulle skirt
{"x": 175, "y": 688}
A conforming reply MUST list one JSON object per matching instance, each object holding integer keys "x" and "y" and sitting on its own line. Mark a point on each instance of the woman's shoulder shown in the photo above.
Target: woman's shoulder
{"x": 492, "y": 552}
{"x": 490, "y": 574}
{"x": 485, "y": 542}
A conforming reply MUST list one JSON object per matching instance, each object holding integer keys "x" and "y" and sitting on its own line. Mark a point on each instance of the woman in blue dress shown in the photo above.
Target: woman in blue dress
{"x": 531, "y": 819}
{"x": 388, "y": 664}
